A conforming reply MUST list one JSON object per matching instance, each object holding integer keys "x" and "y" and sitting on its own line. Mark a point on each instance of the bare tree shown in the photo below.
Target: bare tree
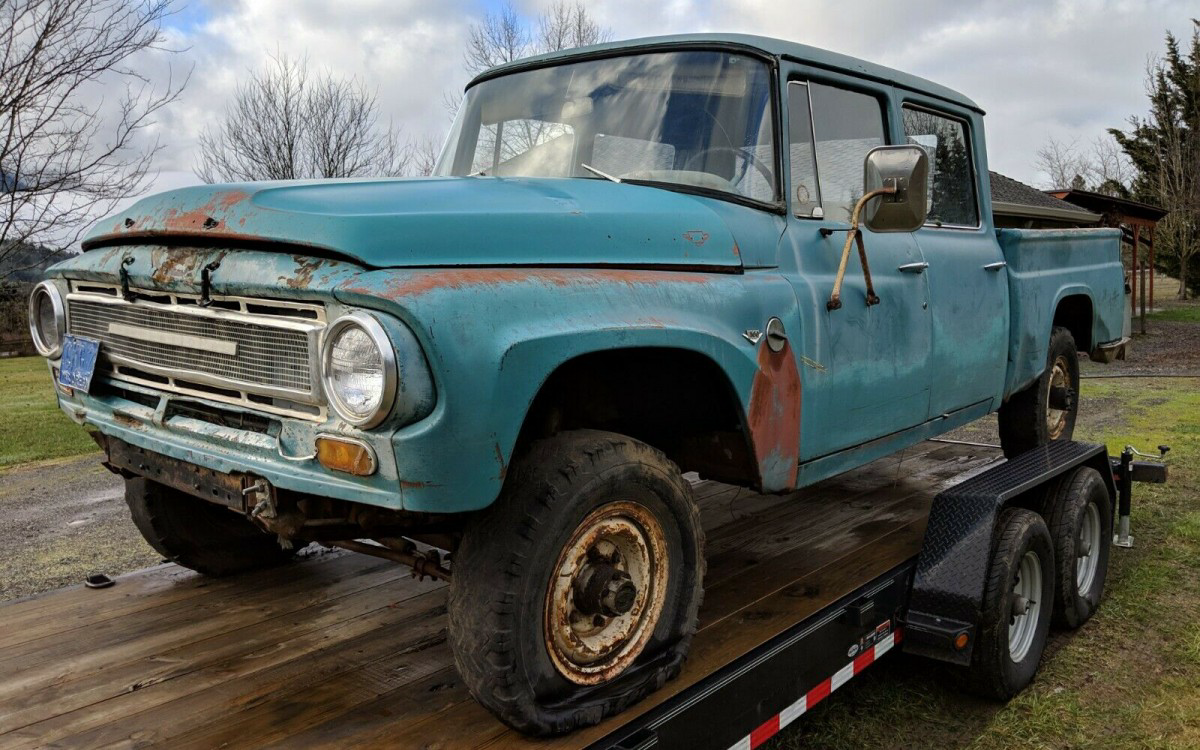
{"x": 284, "y": 123}
{"x": 499, "y": 38}
{"x": 1102, "y": 168}
{"x": 61, "y": 164}
{"x": 425, "y": 154}
{"x": 565, "y": 25}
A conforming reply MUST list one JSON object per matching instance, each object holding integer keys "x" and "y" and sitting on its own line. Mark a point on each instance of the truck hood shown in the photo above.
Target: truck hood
{"x": 453, "y": 221}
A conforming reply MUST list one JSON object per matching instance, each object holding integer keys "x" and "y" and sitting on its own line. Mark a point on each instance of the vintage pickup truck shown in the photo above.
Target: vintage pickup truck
{"x": 634, "y": 261}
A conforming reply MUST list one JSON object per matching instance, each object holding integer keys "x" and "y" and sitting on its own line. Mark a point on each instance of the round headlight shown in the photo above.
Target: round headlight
{"x": 47, "y": 320}
{"x": 359, "y": 369}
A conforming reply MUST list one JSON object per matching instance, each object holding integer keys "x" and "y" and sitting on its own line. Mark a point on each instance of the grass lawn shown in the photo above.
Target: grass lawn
{"x": 1188, "y": 314}
{"x": 1130, "y": 678}
{"x": 32, "y": 428}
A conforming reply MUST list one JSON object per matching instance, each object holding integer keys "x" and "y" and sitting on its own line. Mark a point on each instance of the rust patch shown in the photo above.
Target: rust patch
{"x": 774, "y": 417}
{"x": 415, "y": 284}
{"x": 303, "y": 275}
{"x": 500, "y": 460}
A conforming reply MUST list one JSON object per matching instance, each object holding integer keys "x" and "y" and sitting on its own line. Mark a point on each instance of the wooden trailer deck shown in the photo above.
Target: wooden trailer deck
{"x": 343, "y": 650}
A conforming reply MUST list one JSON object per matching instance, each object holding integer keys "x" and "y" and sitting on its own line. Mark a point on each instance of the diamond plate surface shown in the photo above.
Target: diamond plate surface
{"x": 952, "y": 568}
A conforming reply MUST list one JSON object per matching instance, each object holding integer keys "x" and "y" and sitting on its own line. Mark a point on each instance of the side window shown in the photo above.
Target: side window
{"x": 806, "y": 194}
{"x": 951, "y": 178}
{"x": 847, "y": 124}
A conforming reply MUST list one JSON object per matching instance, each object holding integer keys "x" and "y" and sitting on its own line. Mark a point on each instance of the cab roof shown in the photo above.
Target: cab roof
{"x": 776, "y": 48}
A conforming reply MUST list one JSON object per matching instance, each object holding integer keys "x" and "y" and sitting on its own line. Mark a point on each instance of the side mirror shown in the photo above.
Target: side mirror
{"x": 904, "y": 172}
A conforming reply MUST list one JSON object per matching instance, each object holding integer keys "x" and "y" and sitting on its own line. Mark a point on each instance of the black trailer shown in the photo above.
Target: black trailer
{"x": 915, "y": 552}
{"x": 960, "y": 600}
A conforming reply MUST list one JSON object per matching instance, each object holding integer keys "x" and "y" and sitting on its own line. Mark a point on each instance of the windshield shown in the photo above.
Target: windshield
{"x": 700, "y": 119}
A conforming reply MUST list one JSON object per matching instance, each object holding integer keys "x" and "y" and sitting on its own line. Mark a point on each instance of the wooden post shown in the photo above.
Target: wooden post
{"x": 1143, "y": 298}
{"x": 1151, "y": 229}
{"x": 1137, "y": 231}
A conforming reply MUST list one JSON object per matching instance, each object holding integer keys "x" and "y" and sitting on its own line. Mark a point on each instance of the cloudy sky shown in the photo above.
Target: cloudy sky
{"x": 1041, "y": 68}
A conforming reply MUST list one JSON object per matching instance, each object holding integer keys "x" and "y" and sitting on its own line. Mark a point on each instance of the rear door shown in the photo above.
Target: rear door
{"x": 865, "y": 368}
{"x": 968, "y": 284}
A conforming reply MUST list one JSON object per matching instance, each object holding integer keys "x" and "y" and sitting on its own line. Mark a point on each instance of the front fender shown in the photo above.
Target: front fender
{"x": 493, "y": 337}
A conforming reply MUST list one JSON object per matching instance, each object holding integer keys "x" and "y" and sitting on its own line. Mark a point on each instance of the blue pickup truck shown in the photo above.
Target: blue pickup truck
{"x": 737, "y": 256}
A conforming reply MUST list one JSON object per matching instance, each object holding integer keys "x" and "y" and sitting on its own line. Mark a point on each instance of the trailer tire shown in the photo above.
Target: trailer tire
{"x": 1079, "y": 515}
{"x": 1026, "y": 419}
{"x": 514, "y": 613}
{"x": 198, "y": 534}
{"x": 1009, "y": 645}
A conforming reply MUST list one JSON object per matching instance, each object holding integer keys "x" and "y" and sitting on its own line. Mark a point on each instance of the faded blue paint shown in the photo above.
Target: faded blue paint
{"x": 1047, "y": 266}
{"x": 486, "y": 286}
{"x": 441, "y": 221}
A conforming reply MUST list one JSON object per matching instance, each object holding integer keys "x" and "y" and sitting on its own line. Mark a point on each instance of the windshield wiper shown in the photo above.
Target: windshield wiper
{"x": 595, "y": 171}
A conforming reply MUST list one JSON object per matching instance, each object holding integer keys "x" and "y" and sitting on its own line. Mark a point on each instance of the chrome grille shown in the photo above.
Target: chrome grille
{"x": 257, "y": 354}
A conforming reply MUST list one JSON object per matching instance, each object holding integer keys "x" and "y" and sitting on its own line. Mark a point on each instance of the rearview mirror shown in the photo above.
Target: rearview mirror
{"x": 904, "y": 169}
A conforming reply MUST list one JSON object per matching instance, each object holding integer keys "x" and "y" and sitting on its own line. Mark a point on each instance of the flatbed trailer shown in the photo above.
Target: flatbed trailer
{"x": 343, "y": 650}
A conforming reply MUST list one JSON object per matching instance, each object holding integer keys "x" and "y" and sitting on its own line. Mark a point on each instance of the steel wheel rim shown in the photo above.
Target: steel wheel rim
{"x": 1087, "y": 549}
{"x": 587, "y": 647}
{"x": 1023, "y": 621}
{"x": 1056, "y": 419}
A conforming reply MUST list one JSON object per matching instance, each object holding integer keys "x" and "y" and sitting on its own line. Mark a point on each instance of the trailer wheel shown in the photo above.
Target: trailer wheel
{"x": 1046, "y": 410}
{"x": 1079, "y": 514}
{"x": 1018, "y": 598}
{"x": 198, "y": 534}
{"x": 575, "y": 594}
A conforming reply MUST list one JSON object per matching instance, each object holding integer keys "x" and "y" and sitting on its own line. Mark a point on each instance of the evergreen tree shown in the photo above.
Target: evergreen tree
{"x": 1164, "y": 147}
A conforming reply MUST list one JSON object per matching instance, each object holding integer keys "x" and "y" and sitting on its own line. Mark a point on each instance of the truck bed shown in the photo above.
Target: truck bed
{"x": 345, "y": 650}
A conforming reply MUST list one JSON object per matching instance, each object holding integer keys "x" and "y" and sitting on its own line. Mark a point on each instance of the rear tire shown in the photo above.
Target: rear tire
{"x": 1028, "y": 418}
{"x": 198, "y": 534}
{"x": 1079, "y": 515}
{"x": 529, "y": 641}
{"x": 1018, "y": 598}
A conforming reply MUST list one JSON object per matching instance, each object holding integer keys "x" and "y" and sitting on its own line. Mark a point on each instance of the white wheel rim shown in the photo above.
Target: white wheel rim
{"x": 1027, "y": 607}
{"x": 1087, "y": 549}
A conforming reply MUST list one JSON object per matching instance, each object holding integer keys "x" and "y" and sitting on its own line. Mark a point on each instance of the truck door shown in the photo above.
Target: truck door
{"x": 968, "y": 286}
{"x": 865, "y": 369}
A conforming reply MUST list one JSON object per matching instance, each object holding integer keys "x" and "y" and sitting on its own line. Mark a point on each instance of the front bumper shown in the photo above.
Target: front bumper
{"x": 230, "y": 451}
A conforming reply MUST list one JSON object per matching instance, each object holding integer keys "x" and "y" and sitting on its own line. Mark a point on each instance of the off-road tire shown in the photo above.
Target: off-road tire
{"x": 994, "y": 673}
{"x": 198, "y": 534}
{"x": 1065, "y": 513}
{"x": 1023, "y": 417}
{"x": 502, "y": 570}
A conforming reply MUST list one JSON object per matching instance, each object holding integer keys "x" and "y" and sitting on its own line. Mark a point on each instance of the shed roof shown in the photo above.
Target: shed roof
{"x": 1108, "y": 204}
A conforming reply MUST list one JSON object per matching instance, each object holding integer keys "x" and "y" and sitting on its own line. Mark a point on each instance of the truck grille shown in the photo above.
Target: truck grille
{"x": 204, "y": 350}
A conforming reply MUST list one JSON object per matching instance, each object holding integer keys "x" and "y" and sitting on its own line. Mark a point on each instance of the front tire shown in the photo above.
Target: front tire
{"x": 198, "y": 534}
{"x": 1018, "y": 598}
{"x": 1046, "y": 410}
{"x": 576, "y": 593}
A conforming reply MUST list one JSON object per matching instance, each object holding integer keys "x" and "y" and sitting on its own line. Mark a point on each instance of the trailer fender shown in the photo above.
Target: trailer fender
{"x": 946, "y": 601}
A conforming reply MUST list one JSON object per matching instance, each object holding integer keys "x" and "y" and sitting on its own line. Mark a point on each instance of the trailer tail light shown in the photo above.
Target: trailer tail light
{"x": 346, "y": 454}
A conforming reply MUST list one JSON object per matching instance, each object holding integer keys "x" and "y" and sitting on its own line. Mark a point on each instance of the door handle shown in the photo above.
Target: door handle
{"x": 995, "y": 266}
{"x": 913, "y": 267}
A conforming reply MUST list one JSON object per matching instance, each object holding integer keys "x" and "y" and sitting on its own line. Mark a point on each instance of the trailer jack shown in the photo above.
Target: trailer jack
{"x": 1126, "y": 471}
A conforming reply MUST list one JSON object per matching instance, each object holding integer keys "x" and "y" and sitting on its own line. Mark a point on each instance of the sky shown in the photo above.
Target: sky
{"x": 1040, "y": 68}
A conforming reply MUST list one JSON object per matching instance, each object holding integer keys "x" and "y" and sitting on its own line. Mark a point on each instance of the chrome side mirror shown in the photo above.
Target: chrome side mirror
{"x": 900, "y": 174}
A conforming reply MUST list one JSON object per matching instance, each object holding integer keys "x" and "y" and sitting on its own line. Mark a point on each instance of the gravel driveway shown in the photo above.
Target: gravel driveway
{"x": 61, "y": 521}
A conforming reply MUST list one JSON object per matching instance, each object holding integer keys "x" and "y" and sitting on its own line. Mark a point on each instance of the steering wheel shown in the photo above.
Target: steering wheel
{"x": 745, "y": 153}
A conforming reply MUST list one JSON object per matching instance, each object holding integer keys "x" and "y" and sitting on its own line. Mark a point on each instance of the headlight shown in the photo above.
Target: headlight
{"x": 47, "y": 320}
{"x": 358, "y": 367}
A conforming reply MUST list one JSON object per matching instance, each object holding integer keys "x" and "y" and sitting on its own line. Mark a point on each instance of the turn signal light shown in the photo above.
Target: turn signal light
{"x": 343, "y": 454}
{"x": 960, "y": 642}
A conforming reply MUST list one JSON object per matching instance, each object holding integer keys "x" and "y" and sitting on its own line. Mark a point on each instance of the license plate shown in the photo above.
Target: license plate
{"x": 78, "y": 362}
